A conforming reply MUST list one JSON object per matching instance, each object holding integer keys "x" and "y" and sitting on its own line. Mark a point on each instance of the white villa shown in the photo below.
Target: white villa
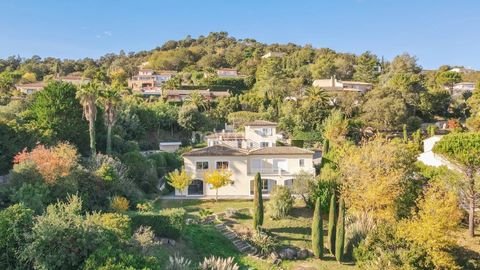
{"x": 333, "y": 84}
{"x": 244, "y": 155}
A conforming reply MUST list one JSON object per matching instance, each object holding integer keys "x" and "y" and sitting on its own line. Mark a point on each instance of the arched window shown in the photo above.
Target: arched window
{"x": 196, "y": 187}
{"x": 267, "y": 186}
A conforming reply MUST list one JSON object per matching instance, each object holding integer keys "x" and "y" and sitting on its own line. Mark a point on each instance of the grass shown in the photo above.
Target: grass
{"x": 200, "y": 241}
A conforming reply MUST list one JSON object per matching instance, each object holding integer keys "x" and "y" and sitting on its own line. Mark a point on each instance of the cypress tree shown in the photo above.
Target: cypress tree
{"x": 340, "y": 240}
{"x": 317, "y": 231}
{"x": 332, "y": 221}
{"x": 326, "y": 146}
{"x": 257, "y": 202}
{"x": 405, "y": 134}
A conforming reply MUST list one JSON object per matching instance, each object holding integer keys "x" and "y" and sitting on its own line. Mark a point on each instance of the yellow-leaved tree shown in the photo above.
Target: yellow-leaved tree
{"x": 433, "y": 225}
{"x": 180, "y": 180}
{"x": 373, "y": 176}
{"x": 218, "y": 179}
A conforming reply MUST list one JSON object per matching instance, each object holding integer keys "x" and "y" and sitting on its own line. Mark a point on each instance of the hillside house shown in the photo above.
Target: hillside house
{"x": 333, "y": 84}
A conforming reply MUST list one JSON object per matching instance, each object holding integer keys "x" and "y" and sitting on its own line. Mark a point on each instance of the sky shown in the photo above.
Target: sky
{"x": 437, "y": 32}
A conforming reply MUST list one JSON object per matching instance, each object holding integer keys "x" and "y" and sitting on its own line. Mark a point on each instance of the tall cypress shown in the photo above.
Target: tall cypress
{"x": 340, "y": 240}
{"x": 332, "y": 221}
{"x": 257, "y": 202}
{"x": 317, "y": 231}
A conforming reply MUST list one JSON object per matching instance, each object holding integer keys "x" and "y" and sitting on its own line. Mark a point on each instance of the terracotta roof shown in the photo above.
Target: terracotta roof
{"x": 216, "y": 150}
{"x": 223, "y": 150}
{"x": 261, "y": 123}
{"x": 281, "y": 150}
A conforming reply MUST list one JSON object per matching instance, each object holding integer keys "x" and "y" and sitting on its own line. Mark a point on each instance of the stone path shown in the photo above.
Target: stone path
{"x": 240, "y": 244}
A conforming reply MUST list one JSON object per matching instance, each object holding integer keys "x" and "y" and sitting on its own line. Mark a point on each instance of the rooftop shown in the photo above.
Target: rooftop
{"x": 223, "y": 150}
{"x": 261, "y": 123}
{"x": 216, "y": 150}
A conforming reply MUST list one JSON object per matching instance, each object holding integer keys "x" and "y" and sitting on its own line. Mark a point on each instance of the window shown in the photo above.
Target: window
{"x": 266, "y": 131}
{"x": 221, "y": 165}
{"x": 301, "y": 162}
{"x": 264, "y": 144}
{"x": 202, "y": 165}
{"x": 239, "y": 144}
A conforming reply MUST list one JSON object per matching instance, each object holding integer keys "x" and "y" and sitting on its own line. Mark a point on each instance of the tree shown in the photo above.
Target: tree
{"x": 52, "y": 163}
{"x": 87, "y": 95}
{"x": 197, "y": 100}
{"x": 433, "y": 226}
{"x": 332, "y": 220}
{"x": 340, "y": 235}
{"x": 57, "y": 115}
{"x": 16, "y": 223}
{"x": 317, "y": 231}
{"x": 366, "y": 69}
{"x": 463, "y": 150}
{"x": 473, "y": 122}
{"x": 384, "y": 109}
{"x": 257, "y": 202}
{"x": 335, "y": 128}
{"x": 109, "y": 98}
{"x": 218, "y": 179}
{"x": 190, "y": 118}
{"x": 180, "y": 180}
{"x": 373, "y": 178}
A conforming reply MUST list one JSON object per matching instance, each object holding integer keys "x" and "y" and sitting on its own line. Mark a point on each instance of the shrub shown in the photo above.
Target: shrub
{"x": 217, "y": 263}
{"x": 144, "y": 237}
{"x": 145, "y": 207}
{"x": 167, "y": 223}
{"x": 119, "y": 204}
{"x": 74, "y": 240}
{"x": 257, "y": 202}
{"x": 15, "y": 222}
{"x": 178, "y": 262}
{"x": 281, "y": 202}
{"x": 263, "y": 242}
{"x": 317, "y": 231}
{"x": 120, "y": 259}
{"x": 159, "y": 162}
{"x": 34, "y": 196}
{"x": 117, "y": 223}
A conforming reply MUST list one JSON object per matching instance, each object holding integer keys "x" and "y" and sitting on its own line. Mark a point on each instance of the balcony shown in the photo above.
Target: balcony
{"x": 279, "y": 171}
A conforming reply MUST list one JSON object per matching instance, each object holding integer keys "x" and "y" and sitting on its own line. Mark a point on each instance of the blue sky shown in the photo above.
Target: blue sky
{"x": 436, "y": 31}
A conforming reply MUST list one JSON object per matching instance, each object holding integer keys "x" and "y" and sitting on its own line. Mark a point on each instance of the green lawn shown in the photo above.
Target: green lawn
{"x": 200, "y": 241}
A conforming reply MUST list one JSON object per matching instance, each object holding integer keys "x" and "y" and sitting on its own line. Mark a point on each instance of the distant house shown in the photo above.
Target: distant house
{"x": 273, "y": 54}
{"x": 227, "y": 73}
{"x": 148, "y": 79}
{"x": 333, "y": 84}
{"x": 179, "y": 95}
{"x": 463, "y": 87}
{"x": 169, "y": 146}
{"x": 244, "y": 155}
{"x": 30, "y": 88}
{"x": 462, "y": 70}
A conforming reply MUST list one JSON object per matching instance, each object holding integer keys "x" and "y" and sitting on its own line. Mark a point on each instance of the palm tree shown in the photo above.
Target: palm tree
{"x": 317, "y": 94}
{"x": 87, "y": 95}
{"x": 110, "y": 98}
{"x": 196, "y": 99}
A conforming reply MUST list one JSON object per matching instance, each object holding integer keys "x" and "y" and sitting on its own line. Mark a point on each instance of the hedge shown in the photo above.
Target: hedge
{"x": 165, "y": 223}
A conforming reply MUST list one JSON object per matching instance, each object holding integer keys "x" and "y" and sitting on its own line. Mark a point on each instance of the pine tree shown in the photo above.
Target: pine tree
{"x": 317, "y": 230}
{"x": 340, "y": 239}
{"x": 332, "y": 220}
{"x": 257, "y": 202}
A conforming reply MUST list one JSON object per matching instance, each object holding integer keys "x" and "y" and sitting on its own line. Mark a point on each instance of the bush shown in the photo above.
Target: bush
{"x": 120, "y": 259}
{"x": 281, "y": 202}
{"x": 159, "y": 162}
{"x": 34, "y": 196}
{"x": 119, "y": 204}
{"x": 217, "y": 263}
{"x": 178, "y": 262}
{"x": 117, "y": 223}
{"x": 15, "y": 223}
{"x": 167, "y": 223}
{"x": 144, "y": 237}
{"x": 324, "y": 190}
{"x": 145, "y": 207}
{"x": 263, "y": 242}
{"x": 141, "y": 170}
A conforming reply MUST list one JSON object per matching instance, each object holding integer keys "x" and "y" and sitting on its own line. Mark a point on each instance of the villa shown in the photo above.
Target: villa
{"x": 244, "y": 155}
{"x": 30, "y": 88}
{"x": 149, "y": 79}
{"x": 333, "y": 84}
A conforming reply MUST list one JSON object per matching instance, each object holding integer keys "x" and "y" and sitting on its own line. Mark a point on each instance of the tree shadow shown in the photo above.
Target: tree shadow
{"x": 301, "y": 212}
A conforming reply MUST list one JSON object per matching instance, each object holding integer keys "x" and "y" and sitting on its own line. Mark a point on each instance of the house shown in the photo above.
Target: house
{"x": 462, "y": 70}
{"x": 258, "y": 134}
{"x": 244, "y": 155}
{"x": 169, "y": 146}
{"x": 149, "y": 79}
{"x": 273, "y": 54}
{"x": 277, "y": 165}
{"x": 227, "y": 73}
{"x": 333, "y": 84}
{"x": 428, "y": 157}
{"x": 463, "y": 87}
{"x": 179, "y": 95}
{"x": 30, "y": 88}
